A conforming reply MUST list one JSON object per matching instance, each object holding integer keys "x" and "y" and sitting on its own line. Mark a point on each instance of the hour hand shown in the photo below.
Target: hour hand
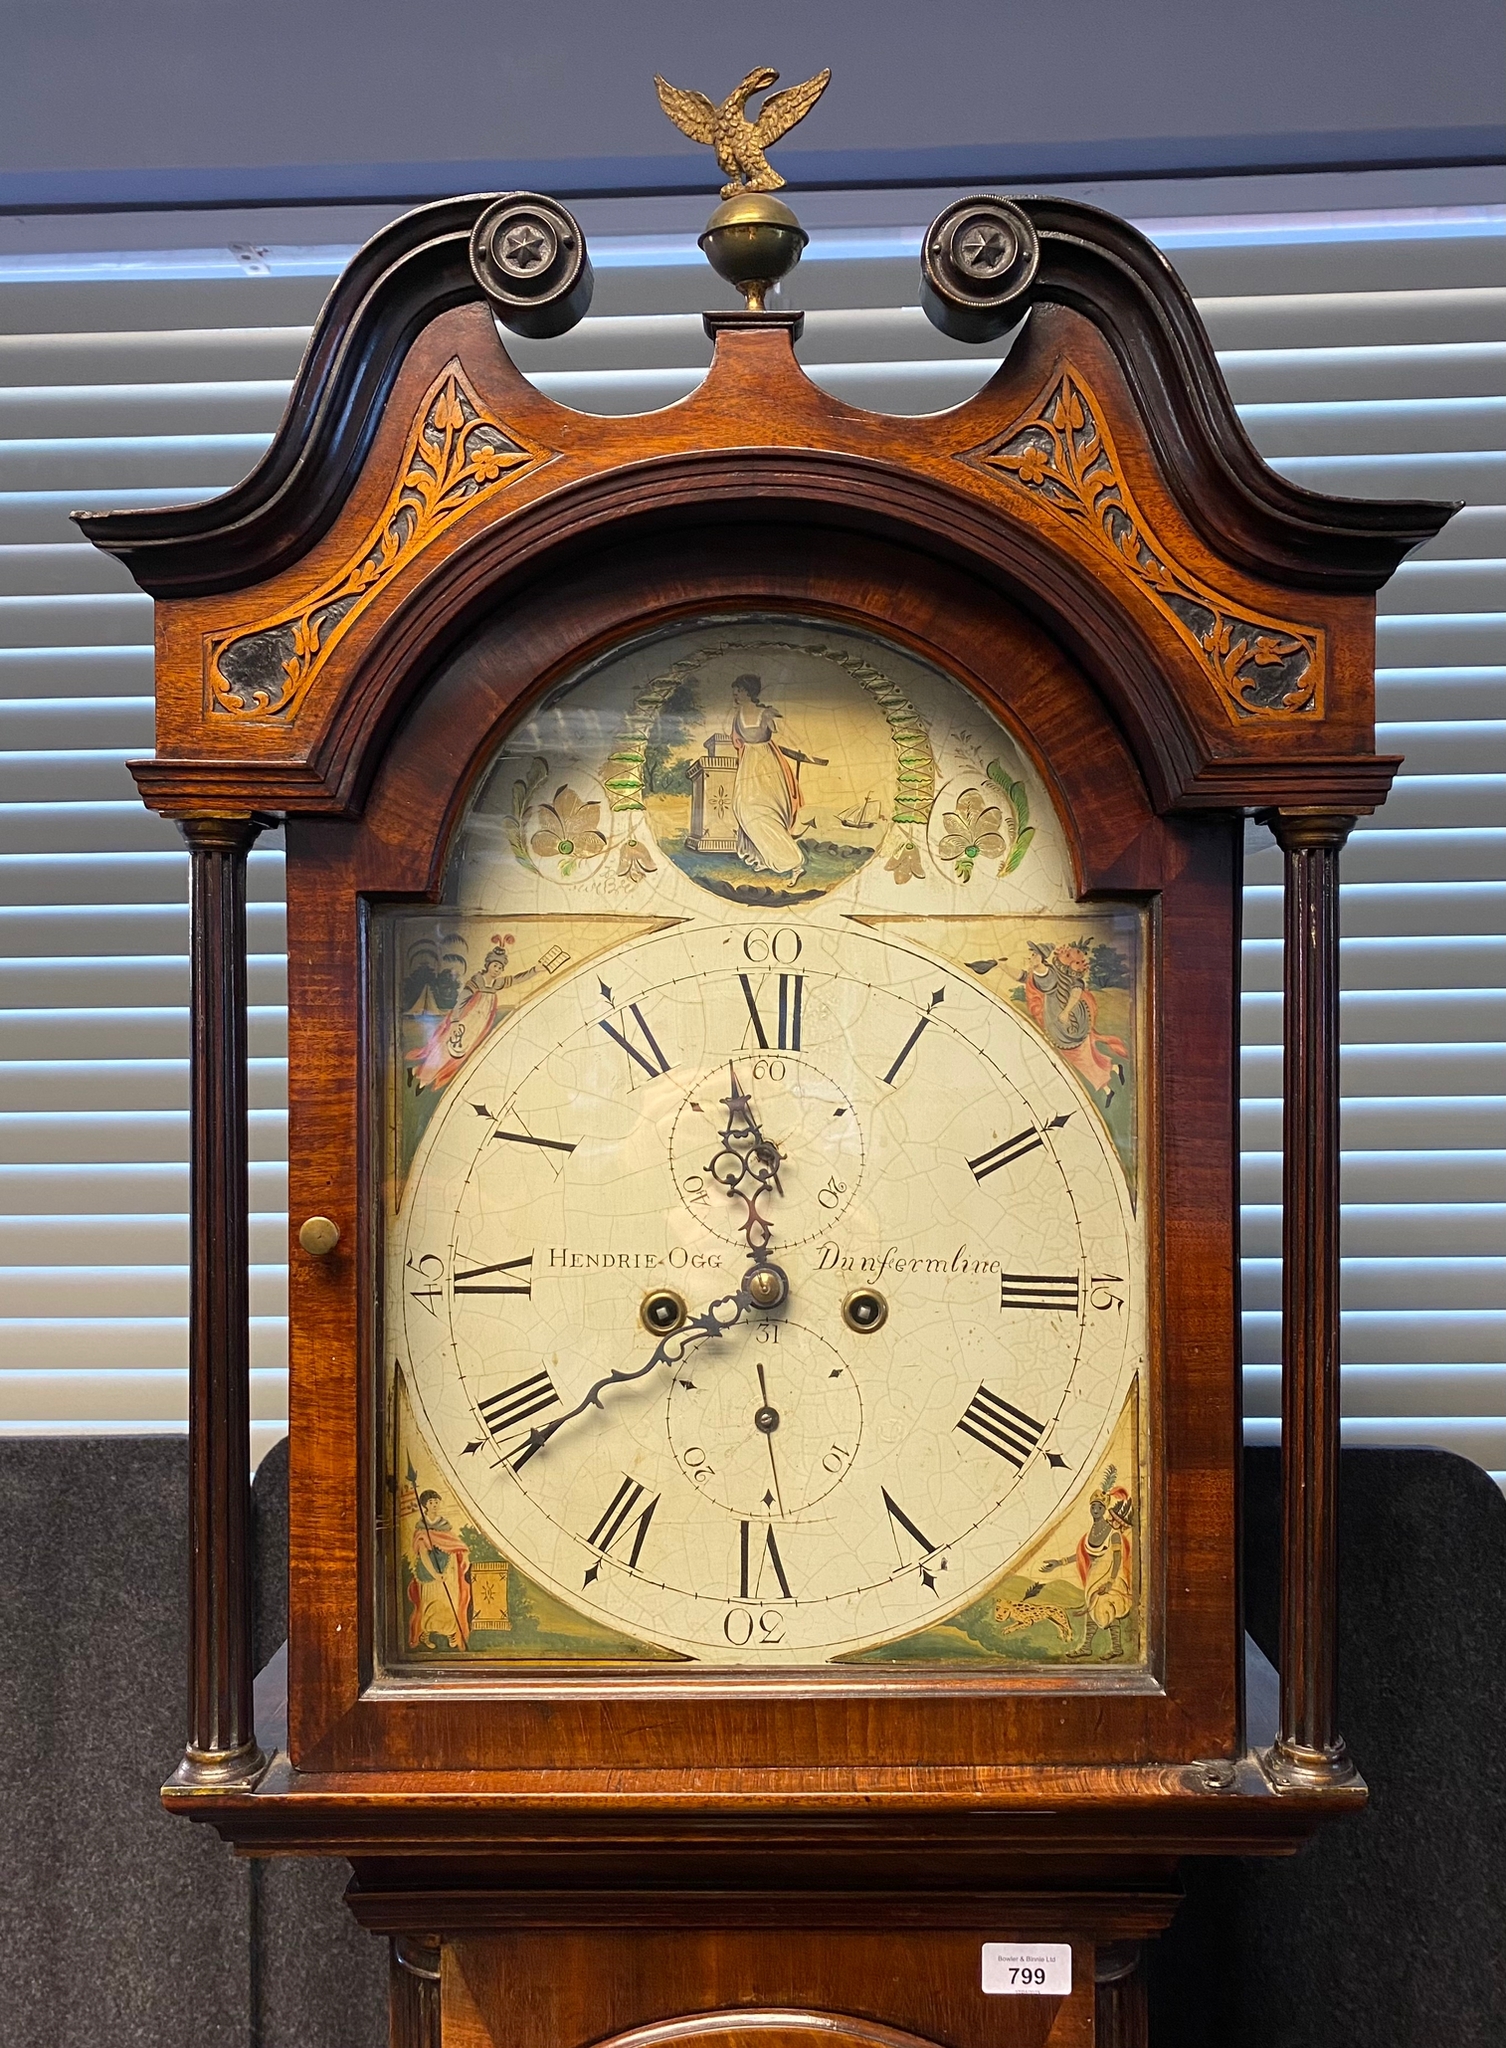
{"x": 714, "y": 1320}
{"x": 745, "y": 1152}
{"x": 746, "y": 1155}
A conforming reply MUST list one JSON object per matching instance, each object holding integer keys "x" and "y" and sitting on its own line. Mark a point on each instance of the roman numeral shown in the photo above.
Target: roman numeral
{"x": 791, "y": 1001}
{"x": 509, "y": 1409}
{"x": 753, "y": 1558}
{"x": 901, "y": 1520}
{"x": 1000, "y": 1427}
{"x": 623, "y": 1514}
{"x": 478, "y": 1279}
{"x": 1006, "y": 1154}
{"x": 653, "y": 1061}
{"x": 1040, "y": 1290}
{"x": 906, "y": 1049}
{"x": 544, "y": 1144}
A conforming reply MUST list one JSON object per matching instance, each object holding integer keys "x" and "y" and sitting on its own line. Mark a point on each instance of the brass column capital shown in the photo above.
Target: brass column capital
{"x": 1298, "y": 830}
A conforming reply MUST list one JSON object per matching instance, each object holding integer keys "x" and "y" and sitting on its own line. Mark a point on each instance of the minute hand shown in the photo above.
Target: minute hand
{"x": 714, "y": 1320}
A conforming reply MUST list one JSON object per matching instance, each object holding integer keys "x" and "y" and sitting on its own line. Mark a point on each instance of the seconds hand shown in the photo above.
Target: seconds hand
{"x": 766, "y": 1421}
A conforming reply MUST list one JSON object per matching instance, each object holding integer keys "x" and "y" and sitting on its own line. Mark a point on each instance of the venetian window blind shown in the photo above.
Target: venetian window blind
{"x": 1366, "y": 354}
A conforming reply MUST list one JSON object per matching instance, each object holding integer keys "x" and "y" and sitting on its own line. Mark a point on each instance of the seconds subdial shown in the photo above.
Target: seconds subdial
{"x": 768, "y": 1423}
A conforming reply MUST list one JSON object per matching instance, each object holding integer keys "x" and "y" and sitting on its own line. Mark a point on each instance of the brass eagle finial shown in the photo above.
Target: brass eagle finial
{"x": 740, "y": 143}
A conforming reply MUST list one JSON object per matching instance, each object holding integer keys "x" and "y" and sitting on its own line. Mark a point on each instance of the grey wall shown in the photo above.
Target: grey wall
{"x": 183, "y": 101}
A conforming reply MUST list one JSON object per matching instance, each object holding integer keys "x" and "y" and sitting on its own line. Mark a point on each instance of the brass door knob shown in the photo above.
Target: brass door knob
{"x": 319, "y": 1237}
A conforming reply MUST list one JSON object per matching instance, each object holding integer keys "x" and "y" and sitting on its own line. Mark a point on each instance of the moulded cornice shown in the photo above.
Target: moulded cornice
{"x": 1091, "y": 261}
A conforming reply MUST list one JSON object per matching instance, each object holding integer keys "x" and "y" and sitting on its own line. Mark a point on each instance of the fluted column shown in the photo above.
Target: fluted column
{"x": 221, "y": 1746}
{"x": 414, "y": 2003}
{"x": 1309, "y": 1749}
{"x": 1120, "y": 2015}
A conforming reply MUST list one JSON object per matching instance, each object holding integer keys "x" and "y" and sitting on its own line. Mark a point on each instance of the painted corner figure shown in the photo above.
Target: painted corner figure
{"x": 1066, "y": 1010}
{"x": 457, "y": 1034}
{"x": 1105, "y": 1564}
{"x": 439, "y": 1590}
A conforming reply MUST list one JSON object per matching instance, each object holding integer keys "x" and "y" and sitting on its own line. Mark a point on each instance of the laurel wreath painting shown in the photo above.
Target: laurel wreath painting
{"x": 693, "y": 740}
{"x": 768, "y": 769}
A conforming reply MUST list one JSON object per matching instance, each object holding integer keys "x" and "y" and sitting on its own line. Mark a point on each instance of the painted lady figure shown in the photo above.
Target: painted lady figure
{"x": 439, "y": 1590}
{"x": 766, "y": 793}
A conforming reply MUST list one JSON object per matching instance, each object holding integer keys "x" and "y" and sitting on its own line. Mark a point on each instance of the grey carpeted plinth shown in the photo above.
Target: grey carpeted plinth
{"x": 319, "y": 1980}
{"x": 119, "y": 1927}
{"x": 1388, "y": 1929}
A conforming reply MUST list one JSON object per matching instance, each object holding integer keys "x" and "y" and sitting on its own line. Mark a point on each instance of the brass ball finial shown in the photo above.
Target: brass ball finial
{"x": 753, "y": 240}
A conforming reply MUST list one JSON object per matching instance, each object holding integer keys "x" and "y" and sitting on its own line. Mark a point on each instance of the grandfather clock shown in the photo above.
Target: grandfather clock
{"x": 763, "y": 921}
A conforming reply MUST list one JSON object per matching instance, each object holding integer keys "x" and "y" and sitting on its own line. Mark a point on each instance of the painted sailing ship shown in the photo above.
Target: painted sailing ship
{"x": 862, "y": 817}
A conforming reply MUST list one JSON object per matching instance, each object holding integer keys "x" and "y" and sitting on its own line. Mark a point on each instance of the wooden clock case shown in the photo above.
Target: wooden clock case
{"x": 1177, "y": 636}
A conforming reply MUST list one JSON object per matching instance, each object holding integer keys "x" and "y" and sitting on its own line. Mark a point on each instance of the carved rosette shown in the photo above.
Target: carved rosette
{"x": 1065, "y": 460}
{"x": 456, "y": 456}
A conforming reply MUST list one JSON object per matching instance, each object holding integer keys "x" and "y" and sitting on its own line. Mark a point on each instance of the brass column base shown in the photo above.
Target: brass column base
{"x": 1294, "y": 1768}
{"x": 214, "y": 1770}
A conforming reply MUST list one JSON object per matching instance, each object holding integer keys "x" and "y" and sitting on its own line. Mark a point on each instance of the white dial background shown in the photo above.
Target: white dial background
{"x": 934, "y": 1149}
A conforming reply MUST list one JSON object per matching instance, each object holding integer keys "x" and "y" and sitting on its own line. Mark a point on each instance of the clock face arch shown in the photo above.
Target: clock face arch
{"x": 759, "y": 955}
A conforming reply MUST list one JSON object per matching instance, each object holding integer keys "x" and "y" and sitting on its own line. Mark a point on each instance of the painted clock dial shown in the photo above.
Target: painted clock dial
{"x": 764, "y": 1278}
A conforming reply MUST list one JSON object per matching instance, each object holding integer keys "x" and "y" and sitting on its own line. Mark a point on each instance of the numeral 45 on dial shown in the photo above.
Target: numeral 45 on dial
{"x": 507, "y": 1276}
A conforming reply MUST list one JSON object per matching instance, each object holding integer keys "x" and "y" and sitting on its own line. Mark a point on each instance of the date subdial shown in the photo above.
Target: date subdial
{"x": 802, "y": 1112}
{"x": 768, "y": 1423}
